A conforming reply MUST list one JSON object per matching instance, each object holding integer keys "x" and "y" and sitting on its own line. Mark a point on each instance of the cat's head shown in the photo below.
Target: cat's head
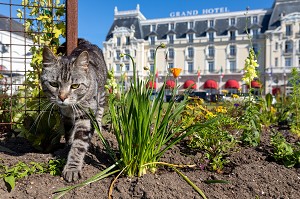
{"x": 65, "y": 79}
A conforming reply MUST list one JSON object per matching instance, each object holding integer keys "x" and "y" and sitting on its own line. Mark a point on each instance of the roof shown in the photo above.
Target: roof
{"x": 10, "y": 25}
{"x": 267, "y": 19}
{"x": 281, "y": 8}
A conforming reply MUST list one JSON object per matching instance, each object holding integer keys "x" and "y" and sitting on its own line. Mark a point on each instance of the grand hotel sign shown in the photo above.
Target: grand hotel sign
{"x": 196, "y": 12}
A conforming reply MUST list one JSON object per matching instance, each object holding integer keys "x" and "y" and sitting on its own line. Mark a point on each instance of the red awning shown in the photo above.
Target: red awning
{"x": 151, "y": 85}
{"x": 170, "y": 84}
{"x": 276, "y": 91}
{"x": 210, "y": 84}
{"x": 231, "y": 83}
{"x": 189, "y": 84}
{"x": 255, "y": 84}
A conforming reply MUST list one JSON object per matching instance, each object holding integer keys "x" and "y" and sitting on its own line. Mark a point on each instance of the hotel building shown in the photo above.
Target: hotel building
{"x": 210, "y": 47}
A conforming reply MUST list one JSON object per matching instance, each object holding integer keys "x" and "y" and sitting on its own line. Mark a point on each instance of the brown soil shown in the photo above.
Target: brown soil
{"x": 252, "y": 173}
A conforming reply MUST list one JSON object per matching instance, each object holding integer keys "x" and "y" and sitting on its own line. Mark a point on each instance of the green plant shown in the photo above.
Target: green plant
{"x": 44, "y": 25}
{"x": 295, "y": 99}
{"x": 215, "y": 140}
{"x": 285, "y": 152}
{"x": 145, "y": 129}
{"x": 267, "y": 114}
{"x": 20, "y": 170}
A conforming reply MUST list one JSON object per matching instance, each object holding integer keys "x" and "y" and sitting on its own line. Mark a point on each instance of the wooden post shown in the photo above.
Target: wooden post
{"x": 72, "y": 25}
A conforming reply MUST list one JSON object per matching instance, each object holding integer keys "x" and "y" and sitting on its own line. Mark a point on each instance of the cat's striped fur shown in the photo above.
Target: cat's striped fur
{"x": 74, "y": 83}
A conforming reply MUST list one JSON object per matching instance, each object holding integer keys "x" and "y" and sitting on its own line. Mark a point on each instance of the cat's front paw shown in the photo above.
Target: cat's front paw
{"x": 71, "y": 174}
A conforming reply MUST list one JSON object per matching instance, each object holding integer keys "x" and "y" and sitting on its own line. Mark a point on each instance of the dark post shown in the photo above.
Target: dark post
{"x": 72, "y": 25}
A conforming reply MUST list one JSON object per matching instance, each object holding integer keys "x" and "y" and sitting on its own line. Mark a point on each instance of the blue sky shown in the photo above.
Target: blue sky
{"x": 96, "y": 17}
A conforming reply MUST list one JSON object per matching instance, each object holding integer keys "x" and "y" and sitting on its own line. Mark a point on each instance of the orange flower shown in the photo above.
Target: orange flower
{"x": 175, "y": 71}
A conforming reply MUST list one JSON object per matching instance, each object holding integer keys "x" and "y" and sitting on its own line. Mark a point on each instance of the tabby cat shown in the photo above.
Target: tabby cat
{"x": 76, "y": 83}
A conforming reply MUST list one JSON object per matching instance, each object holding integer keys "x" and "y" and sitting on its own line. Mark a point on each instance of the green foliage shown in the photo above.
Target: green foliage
{"x": 11, "y": 174}
{"x": 44, "y": 25}
{"x": 295, "y": 99}
{"x": 215, "y": 141}
{"x": 285, "y": 152}
{"x": 250, "y": 125}
{"x": 267, "y": 114}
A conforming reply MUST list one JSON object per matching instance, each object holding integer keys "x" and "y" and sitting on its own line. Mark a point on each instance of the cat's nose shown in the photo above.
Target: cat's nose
{"x": 62, "y": 97}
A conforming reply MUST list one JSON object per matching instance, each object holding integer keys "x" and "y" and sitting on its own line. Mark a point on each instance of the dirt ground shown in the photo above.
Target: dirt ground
{"x": 251, "y": 173}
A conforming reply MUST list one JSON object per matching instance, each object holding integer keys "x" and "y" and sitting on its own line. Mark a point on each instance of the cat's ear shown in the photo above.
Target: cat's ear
{"x": 48, "y": 57}
{"x": 82, "y": 60}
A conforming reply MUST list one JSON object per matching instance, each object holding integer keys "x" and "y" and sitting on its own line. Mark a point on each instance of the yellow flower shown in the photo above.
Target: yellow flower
{"x": 209, "y": 115}
{"x": 121, "y": 55}
{"x": 273, "y": 110}
{"x": 235, "y": 96}
{"x": 146, "y": 68}
{"x": 175, "y": 71}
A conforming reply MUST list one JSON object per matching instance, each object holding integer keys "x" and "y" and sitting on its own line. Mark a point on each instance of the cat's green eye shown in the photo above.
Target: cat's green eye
{"x": 54, "y": 84}
{"x": 75, "y": 86}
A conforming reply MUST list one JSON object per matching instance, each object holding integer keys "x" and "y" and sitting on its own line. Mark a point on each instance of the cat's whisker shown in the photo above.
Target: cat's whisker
{"x": 40, "y": 115}
{"x": 53, "y": 105}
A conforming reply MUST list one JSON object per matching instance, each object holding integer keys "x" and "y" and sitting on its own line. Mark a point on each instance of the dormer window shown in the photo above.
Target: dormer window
{"x": 232, "y": 35}
{"x": 232, "y": 21}
{"x": 152, "y": 40}
{"x": 211, "y": 23}
{"x": 171, "y": 26}
{"x": 190, "y": 37}
{"x": 254, "y": 19}
{"x": 191, "y": 25}
{"x": 153, "y": 28}
{"x": 211, "y": 36}
{"x": 171, "y": 39}
{"x": 255, "y": 33}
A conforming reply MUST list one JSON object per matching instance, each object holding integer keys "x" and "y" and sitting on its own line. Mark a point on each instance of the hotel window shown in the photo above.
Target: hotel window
{"x": 152, "y": 40}
{"x": 232, "y": 21}
{"x": 118, "y": 41}
{"x": 276, "y": 61}
{"x": 127, "y": 51}
{"x": 127, "y": 40}
{"x": 288, "y": 30}
{"x": 255, "y": 33}
{"x": 171, "y": 65}
{"x": 191, "y": 37}
{"x": 153, "y": 28}
{"x": 171, "y": 53}
{"x": 232, "y": 66}
{"x": 152, "y": 53}
{"x": 288, "y": 62}
{"x": 172, "y": 26}
{"x": 299, "y": 46}
{"x": 190, "y": 67}
{"x": 232, "y": 50}
{"x": 211, "y": 36}
{"x": 288, "y": 47}
{"x": 190, "y": 52}
{"x": 118, "y": 52}
{"x": 276, "y": 46}
{"x": 211, "y": 23}
{"x": 211, "y": 66}
{"x": 211, "y": 51}
{"x": 171, "y": 39}
{"x": 118, "y": 68}
{"x": 254, "y": 19}
{"x": 255, "y": 48}
{"x": 191, "y": 25}
{"x": 127, "y": 67}
{"x": 151, "y": 67}
{"x": 232, "y": 35}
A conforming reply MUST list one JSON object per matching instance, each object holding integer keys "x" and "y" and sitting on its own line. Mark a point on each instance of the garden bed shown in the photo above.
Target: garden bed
{"x": 251, "y": 173}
